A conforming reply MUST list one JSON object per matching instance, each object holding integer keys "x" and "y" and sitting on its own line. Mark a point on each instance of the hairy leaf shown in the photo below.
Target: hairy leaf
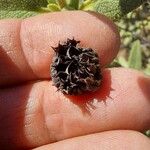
{"x": 26, "y": 8}
{"x": 73, "y": 4}
{"x": 114, "y": 9}
{"x": 20, "y": 8}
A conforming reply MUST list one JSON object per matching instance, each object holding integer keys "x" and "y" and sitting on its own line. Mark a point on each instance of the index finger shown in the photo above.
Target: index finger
{"x": 25, "y": 45}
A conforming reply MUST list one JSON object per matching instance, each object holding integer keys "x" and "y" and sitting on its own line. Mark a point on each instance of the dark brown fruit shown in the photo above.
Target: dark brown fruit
{"x": 75, "y": 70}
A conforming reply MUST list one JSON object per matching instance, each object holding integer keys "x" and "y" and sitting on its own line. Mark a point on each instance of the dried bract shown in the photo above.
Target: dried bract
{"x": 75, "y": 70}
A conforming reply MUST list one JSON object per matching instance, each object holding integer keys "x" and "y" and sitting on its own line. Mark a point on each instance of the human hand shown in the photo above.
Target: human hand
{"x": 34, "y": 115}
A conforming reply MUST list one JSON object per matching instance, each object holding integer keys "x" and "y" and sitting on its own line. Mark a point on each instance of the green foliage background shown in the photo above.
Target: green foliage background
{"x": 135, "y": 39}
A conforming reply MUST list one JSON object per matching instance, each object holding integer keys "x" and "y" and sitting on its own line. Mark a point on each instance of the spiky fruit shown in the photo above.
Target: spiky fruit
{"x": 75, "y": 70}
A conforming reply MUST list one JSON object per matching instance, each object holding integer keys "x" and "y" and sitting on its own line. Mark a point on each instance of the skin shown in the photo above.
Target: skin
{"x": 34, "y": 115}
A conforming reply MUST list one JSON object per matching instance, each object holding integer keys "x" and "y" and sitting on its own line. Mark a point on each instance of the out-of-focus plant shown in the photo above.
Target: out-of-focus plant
{"x": 148, "y": 133}
{"x": 135, "y": 39}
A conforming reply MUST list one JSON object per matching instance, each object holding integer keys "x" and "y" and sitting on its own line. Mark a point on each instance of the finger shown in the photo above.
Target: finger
{"x": 116, "y": 140}
{"x": 25, "y": 45}
{"x": 35, "y": 115}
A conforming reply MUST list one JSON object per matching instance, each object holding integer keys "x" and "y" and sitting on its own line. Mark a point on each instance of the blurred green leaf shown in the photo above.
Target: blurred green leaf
{"x": 123, "y": 62}
{"x": 147, "y": 70}
{"x": 73, "y": 4}
{"x": 61, "y": 3}
{"x": 53, "y": 7}
{"x": 135, "y": 56}
{"x": 147, "y": 133}
{"x": 51, "y": 1}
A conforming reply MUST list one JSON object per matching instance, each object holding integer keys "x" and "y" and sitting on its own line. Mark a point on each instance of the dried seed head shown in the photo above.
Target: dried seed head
{"x": 75, "y": 70}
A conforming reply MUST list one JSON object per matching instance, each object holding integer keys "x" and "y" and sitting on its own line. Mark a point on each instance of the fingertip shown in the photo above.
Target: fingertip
{"x": 39, "y": 33}
{"x": 108, "y": 41}
{"x": 117, "y": 140}
{"x": 27, "y": 47}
